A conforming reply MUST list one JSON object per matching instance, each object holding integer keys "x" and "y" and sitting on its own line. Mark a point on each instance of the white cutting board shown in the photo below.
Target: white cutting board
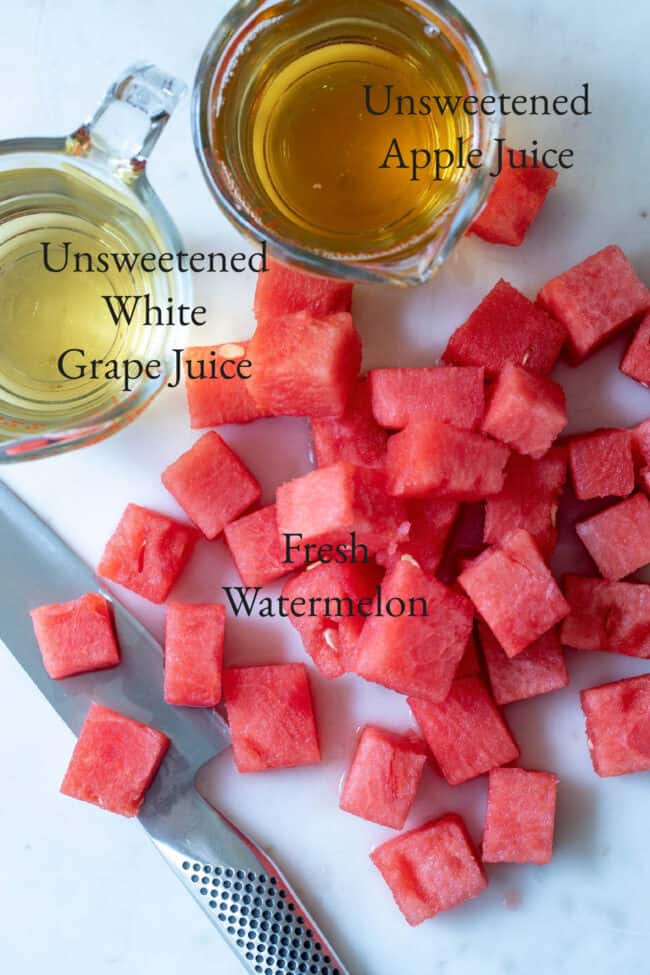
{"x": 82, "y": 890}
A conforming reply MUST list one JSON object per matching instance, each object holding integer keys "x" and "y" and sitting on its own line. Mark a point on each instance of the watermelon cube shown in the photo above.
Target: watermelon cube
{"x": 355, "y": 436}
{"x": 328, "y": 504}
{"x": 430, "y": 869}
{"x": 465, "y": 732}
{"x": 507, "y": 327}
{"x": 515, "y": 200}
{"x": 525, "y": 411}
{"x": 77, "y": 636}
{"x": 305, "y": 365}
{"x": 618, "y": 725}
{"x": 114, "y": 761}
{"x": 384, "y": 776}
{"x": 636, "y": 361}
{"x": 281, "y": 290}
{"x": 417, "y": 651}
{"x": 194, "y": 654}
{"x": 271, "y": 717}
{"x": 601, "y": 464}
{"x": 520, "y": 817}
{"x": 433, "y": 458}
{"x": 257, "y": 548}
{"x": 431, "y": 523}
{"x": 613, "y": 617}
{"x": 595, "y": 299}
{"x": 147, "y": 552}
{"x": 331, "y": 631}
{"x": 618, "y": 538}
{"x": 211, "y": 484}
{"x": 470, "y": 664}
{"x": 452, "y": 394}
{"x": 213, "y": 401}
{"x": 538, "y": 669}
{"x": 529, "y": 499}
{"x": 514, "y": 592}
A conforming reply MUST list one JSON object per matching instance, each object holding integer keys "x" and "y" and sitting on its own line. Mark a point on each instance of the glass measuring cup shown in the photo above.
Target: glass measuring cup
{"x": 251, "y": 48}
{"x": 89, "y": 190}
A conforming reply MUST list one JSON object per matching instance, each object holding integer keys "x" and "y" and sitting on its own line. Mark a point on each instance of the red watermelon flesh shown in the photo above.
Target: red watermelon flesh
{"x": 465, "y": 732}
{"x": 331, "y": 634}
{"x": 430, "y": 869}
{"x": 433, "y": 458}
{"x": 515, "y": 200}
{"x": 355, "y": 437}
{"x": 618, "y": 538}
{"x": 539, "y": 669}
{"x": 507, "y": 327}
{"x": 520, "y": 817}
{"x": 609, "y": 616}
{"x": 414, "y": 653}
{"x": 257, "y": 548}
{"x": 212, "y": 402}
{"x": 431, "y": 524}
{"x": 618, "y": 725}
{"x": 147, "y": 552}
{"x": 529, "y": 499}
{"x": 641, "y": 443}
{"x": 644, "y": 479}
{"x": 636, "y": 361}
{"x": 194, "y": 637}
{"x": 271, "y": 717}
{"x": 470, "y": 664}
{"x": 452, "y": 394}
{"x": 282, "y": 290}
{"x": 384, "y": 776}
{"x": 595, "y": 299}
{"x": 304, "y": 365}
{"x": 114, "y": 761}
{"x": 211, "y": 484}
{"x": 525, "y": 411}
{"x": 514, "y": 592}
{"x": 77, "y": 636}
{"x": 601, "y": 464}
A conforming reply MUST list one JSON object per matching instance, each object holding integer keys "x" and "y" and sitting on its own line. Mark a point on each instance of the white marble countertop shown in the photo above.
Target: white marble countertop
{"x": 82, "y": 890}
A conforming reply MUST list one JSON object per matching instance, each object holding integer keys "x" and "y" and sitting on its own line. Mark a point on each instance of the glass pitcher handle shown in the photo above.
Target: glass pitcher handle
{"x": 129, "y": 121}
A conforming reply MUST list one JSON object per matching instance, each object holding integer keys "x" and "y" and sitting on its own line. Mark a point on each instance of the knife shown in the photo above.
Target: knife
{"x": 235, "y": 883}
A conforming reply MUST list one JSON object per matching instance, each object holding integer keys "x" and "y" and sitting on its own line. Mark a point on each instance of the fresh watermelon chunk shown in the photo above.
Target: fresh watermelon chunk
{"x": 430, "y": 457}
{"x": 430, "y": 869}
{"x": 601, "y": 464}
{"x": 415, "y": 653}
{"x": 114, "y": 761}
{"x": 595, "y": 299}
{"x": 211, "y": 484}
{"x": 636, "y": 361}
{"x": 431, "y": 523}
{"x": 470, "y": 664}
{"x": 452, "y": 394}
{"x": 520, "y": 817}
{"x": 515, "y": 200}
{"x": 525, "y": 411}
{"x": 465, "y": 732}
{"x": 304, "y": 365}
{"x": 507, "y": 327}
{"x": 212, "y": 402}
{"x": 514, "y": 592}
{"x": 282, "y": 290}
{"x": 194, "y": 654}
{"x": 327, "y": 504}
{"x": 618, "y": 725}
{"x": 618, "y": 538}
{"x": 538, "y": 669}
{"x": 257, "y": 548}
{"x": 330, "y": 636}
{"x": 610, "y": 616}
{"x": 529, "y": 499}
{"x": 271, "y": 717}
{"x": 147, "y": 552}
{"x": 384, "y": 776}
{"x": 355, "y": 437}
{"x": 77, "y": 636}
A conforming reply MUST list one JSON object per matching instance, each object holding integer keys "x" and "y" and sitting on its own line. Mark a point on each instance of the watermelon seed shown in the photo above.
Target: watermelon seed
{"x": 409, "y": 558}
